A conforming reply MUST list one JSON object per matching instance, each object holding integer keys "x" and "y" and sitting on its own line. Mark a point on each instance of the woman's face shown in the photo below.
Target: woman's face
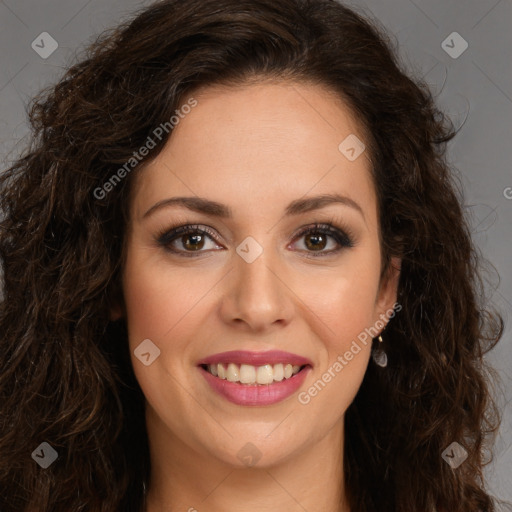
{"x": 257, "y": 165}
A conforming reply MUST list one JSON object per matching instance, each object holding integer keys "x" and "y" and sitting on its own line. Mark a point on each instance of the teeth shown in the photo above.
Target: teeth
{"x": 248, "y": 374}
{"x": 278, "y": 372}
{"x": 265, "y": 374}
{"x": 233, "y": 373}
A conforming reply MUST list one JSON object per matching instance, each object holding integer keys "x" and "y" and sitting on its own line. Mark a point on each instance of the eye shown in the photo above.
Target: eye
{"x": 318, "y": 237}
{"x": 188, "y": 239}
{"x": 191, "y": 240}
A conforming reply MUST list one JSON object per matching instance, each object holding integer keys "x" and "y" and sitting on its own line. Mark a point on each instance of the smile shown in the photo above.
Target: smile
{"x": 254, "y": 378}
{"x": 249, "y": 374}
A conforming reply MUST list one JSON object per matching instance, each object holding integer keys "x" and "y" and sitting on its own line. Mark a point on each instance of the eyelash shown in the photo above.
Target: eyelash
{"x": 343, "y": 237}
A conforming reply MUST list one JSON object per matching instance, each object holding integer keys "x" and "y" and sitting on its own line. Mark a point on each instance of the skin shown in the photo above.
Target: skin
{"x": 255, "y": 149}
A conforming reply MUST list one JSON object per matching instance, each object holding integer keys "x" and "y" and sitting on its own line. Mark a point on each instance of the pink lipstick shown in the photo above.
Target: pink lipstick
{"x": 255, "y": 378}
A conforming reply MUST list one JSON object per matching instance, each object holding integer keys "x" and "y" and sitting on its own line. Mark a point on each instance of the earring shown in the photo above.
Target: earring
{"x": 379, "y": 355}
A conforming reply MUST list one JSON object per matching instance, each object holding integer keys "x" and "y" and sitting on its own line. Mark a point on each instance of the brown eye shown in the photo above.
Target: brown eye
{"x": 323, "y": 240}
{"x": 193, "y": 242}
{"x": 187, "y": 240}
{"x": 316, "y": 242}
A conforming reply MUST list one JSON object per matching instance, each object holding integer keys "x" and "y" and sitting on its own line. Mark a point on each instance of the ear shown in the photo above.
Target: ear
{"x": 388, "y": 292}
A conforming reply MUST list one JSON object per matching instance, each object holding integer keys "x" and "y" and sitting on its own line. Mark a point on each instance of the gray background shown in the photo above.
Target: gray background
{"x": 475, "y": 88}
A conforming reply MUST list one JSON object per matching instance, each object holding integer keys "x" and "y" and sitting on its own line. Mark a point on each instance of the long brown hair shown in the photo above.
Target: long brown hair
{"x": 66, "y": 376}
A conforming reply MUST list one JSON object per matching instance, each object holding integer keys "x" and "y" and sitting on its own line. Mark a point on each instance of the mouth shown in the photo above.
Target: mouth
{"x": 246, "y": 374}
{"x": 255, "y": 378}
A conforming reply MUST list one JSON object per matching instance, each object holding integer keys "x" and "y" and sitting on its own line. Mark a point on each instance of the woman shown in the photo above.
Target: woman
{"x": 238, "y": 277}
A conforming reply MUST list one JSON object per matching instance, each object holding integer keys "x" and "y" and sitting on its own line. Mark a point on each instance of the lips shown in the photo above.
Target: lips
{"x": 250, "y": 378}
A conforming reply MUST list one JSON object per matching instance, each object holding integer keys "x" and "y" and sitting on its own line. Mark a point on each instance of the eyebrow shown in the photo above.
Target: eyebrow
{"x": 208, "y": 207}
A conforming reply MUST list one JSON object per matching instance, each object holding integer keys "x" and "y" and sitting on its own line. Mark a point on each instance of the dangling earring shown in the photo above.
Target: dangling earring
{"x": 379, "y": 355}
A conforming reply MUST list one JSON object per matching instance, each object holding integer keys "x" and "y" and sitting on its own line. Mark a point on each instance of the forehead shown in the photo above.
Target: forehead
{"x": 272, "y": 142}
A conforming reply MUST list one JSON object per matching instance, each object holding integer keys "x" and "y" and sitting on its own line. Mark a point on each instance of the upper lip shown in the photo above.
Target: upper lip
{"x": 255, "y": 358}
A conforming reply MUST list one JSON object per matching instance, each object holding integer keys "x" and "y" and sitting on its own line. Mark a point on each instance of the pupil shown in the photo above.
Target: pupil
{"x": 318, "y": 241}
{"x": 196, "y": 240}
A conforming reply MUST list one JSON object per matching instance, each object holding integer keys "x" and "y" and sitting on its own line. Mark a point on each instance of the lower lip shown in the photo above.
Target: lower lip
{"x": 256, "y": 394}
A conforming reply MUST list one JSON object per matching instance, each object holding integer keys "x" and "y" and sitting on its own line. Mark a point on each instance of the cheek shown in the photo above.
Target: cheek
{"x": 158, "y": 298}
{"x": 347, "y": 311}
{"x": 163, "y": 305}
{"x": 341, "y": 304}
{"x": 344, "y": 348}
{"x": 167, "y": 306}
{"x": 342, "y": 300}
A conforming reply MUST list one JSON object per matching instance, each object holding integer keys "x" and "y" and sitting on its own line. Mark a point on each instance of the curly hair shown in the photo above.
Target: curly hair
{"x": 66, "y": 375}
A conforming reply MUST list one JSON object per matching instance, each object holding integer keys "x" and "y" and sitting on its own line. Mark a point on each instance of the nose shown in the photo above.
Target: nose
{"x": 256, "y": 296}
